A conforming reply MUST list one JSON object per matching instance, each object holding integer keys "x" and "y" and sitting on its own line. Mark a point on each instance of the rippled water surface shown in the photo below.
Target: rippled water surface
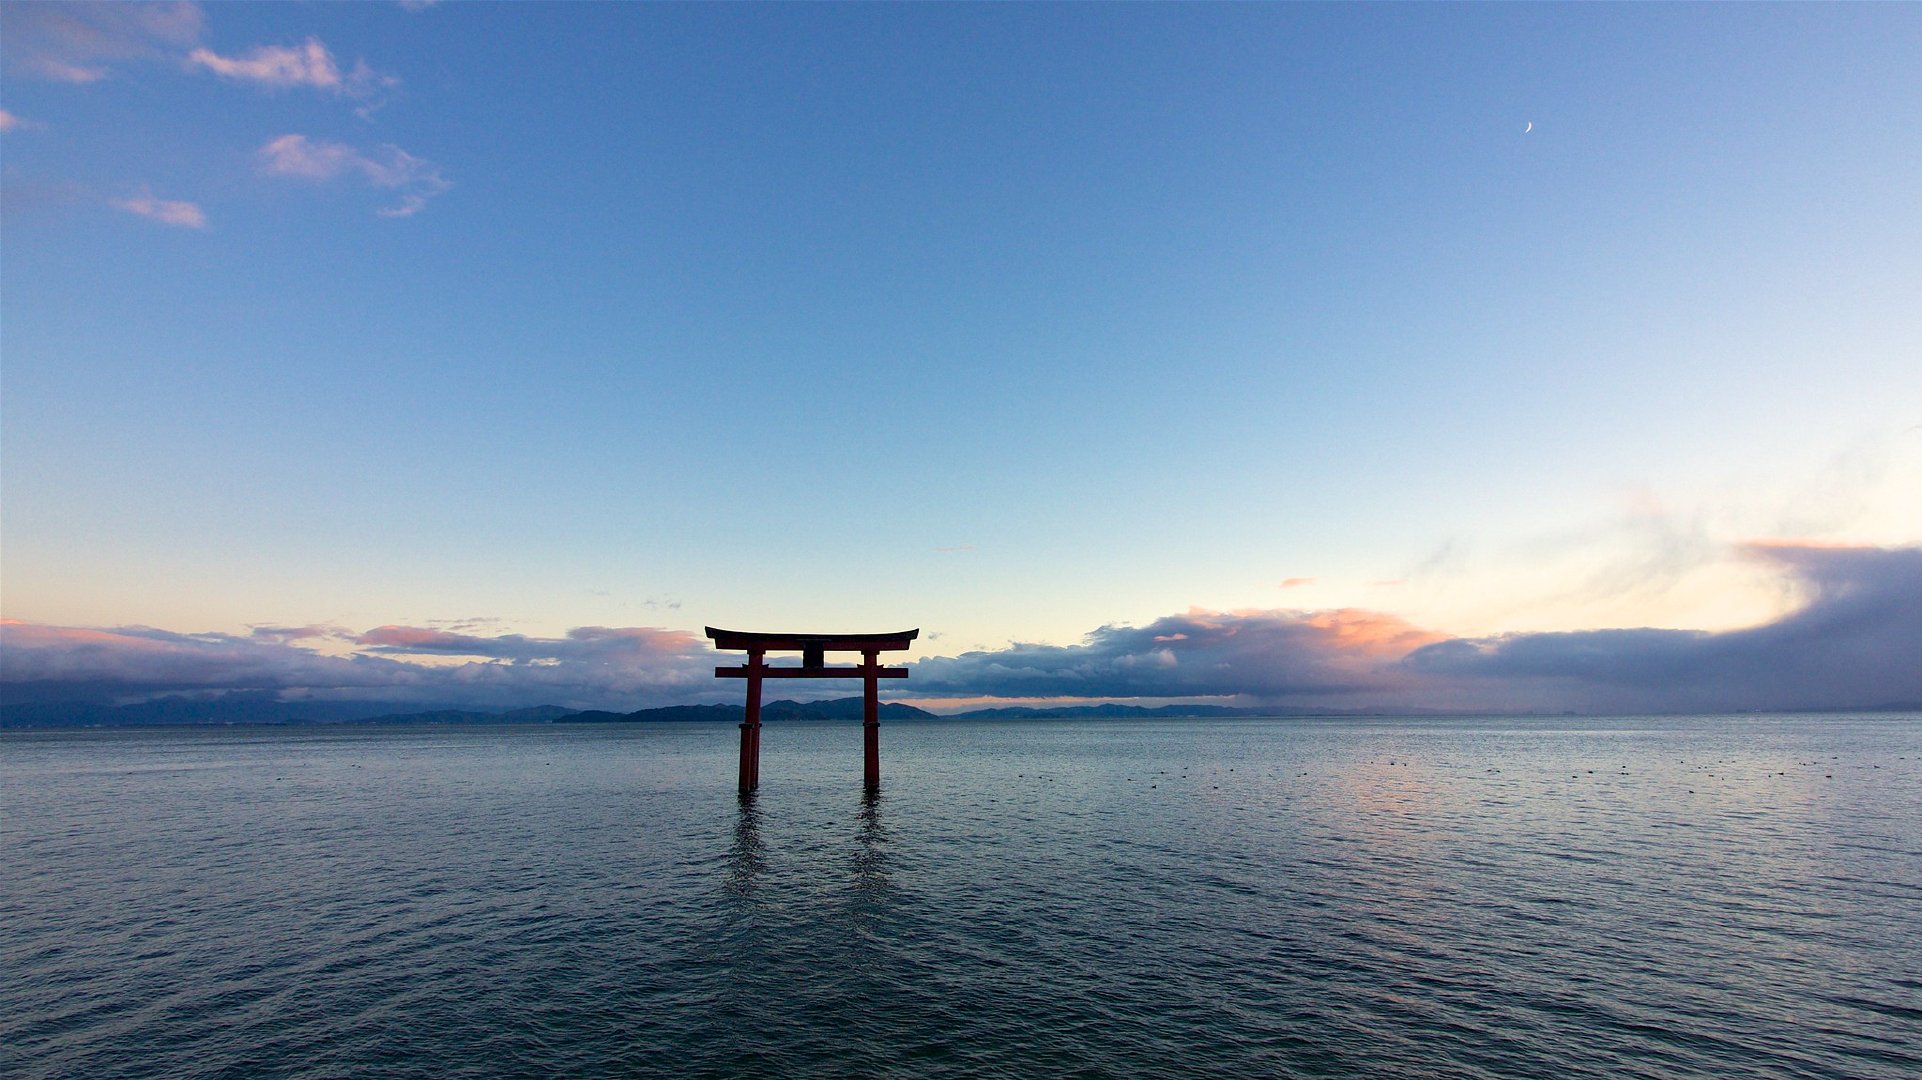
{"x": 1593, "y": 897}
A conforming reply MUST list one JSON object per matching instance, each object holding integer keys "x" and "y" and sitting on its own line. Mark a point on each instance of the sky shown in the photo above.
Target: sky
{"x": 1433, "y": 356}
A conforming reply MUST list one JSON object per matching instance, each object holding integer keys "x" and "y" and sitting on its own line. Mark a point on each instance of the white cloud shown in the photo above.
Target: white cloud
{"x": 307, "y": 64}
{"x": 61, "y": 71}
{"x": 297, "y": 155}
{"x": 166, "y": 211}
{"x": 10, "y": 122}
{"x": 1852, "y": 645}
{"x": 83, "y": 43}
{"x": 408, "y": 206}
{"x": 79, "y": 43}
{"x": 590, "y": 667}
{"x": 415, "y": 179}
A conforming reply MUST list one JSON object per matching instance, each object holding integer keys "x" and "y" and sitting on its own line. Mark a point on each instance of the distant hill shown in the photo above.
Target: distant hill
{"x": 232, "y": 709}
{"x": 250, "y": 709}
{"x": 539, "y": 714}
{"x": 771, "y": 712}
{"x": 236, "y": 709}
{"x": 1139, "y": 712}
{"x": 1101, "y": 712}
{"x": 849, "y": 708}
{"x": 671, "y": 713}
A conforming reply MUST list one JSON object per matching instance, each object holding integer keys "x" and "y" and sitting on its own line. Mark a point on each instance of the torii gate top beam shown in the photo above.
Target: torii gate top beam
{"x": 813, "y": 649}
{"x": 757, "y": 642}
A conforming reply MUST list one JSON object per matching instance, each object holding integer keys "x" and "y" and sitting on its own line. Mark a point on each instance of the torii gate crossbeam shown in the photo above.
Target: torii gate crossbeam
{"x": 813, "y": 649}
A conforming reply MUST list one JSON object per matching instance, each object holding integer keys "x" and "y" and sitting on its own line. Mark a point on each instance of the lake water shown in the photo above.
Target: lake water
{"x": 1587, "y": 897}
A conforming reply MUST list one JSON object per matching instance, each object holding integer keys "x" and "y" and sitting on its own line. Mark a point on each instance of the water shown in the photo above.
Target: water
{"x": 1599, "y": 897}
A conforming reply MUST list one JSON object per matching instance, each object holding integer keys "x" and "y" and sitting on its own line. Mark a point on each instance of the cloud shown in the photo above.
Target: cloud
{"x": 10, "y": 122}
{"x": 166, "y": 211}
{"x": 80, "y": 43}
{"x": 471, "y": 622}
{"x": 58, "y": 663}
{"x": 414, "y": 179}
{"x": 1271, "y": 655}
{"x": 297, "y": 155}
{"x": 285, "y": 634}
{"x": 585, "y": 643}
{"x": 1296, "y": 582}
{"x": 591, "y": 667}
{"x": 307, "y": 64}
{"x": 1854, "y": 643}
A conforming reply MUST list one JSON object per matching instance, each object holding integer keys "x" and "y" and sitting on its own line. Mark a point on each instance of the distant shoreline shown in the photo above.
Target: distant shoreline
{"x": 181, "y": 715}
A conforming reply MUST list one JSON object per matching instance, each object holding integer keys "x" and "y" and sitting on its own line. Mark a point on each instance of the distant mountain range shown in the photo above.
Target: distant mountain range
{"x": 251, "y": 710}
{"x": 260, "y": 711}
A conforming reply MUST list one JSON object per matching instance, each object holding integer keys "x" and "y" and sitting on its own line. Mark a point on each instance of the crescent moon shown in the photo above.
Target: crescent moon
{"x": 1529, "y": 128}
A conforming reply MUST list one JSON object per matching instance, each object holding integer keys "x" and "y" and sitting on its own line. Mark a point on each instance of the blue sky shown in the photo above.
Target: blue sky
{"x": 1008, "y": 322}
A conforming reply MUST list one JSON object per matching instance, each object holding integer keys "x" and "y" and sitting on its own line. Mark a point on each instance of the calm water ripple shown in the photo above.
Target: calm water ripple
{"x": 1695, "y": 896}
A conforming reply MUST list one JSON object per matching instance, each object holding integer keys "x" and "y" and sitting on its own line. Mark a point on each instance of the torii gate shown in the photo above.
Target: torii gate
{"x": 812, "y": 648}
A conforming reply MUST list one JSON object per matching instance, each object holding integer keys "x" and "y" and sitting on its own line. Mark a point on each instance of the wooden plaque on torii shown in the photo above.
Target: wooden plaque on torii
{"x": 813, "y": 649}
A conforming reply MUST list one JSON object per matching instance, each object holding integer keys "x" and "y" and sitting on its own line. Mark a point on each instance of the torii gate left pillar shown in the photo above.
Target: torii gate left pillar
{"x": 813, "y": 649}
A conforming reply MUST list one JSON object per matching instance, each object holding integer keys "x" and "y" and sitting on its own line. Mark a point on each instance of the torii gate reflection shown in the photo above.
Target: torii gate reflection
{"x": 813, "y": 649}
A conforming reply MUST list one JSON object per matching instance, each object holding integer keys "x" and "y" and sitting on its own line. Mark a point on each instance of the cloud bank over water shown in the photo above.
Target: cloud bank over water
{"x": 1854, "y": 642}
{"x": 591, "y": 667}
{"x": 1857, "y": 641}
{"x": 1267, "y": 655}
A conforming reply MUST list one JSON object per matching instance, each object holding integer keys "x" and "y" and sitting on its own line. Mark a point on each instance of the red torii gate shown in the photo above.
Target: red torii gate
{"x": 813, "y": 649}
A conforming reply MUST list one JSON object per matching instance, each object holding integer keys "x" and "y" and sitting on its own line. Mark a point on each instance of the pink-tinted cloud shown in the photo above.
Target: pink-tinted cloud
{"x": 582, "y": 644}
{"x": 1297, "y": 582}
{"x": 417, "y": 639}
{"x": 285, "y": 634}
{"x": 1269, "y": 655}
{"x": 80, "y": 43}
{"x": 10, "y": 122}
{"x": 54, "y": 663}
{"x": 415, "y": 179}
{"x": 175, "y": 212}
{"x": 83, "y": 43}
{"x": 1856, "y": 643}
{"x": 308, "y": 64}
{"x": 590, "y": 667}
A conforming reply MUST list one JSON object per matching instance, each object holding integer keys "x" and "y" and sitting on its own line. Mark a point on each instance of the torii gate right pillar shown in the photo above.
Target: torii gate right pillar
{"x": 871, "y": 721}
